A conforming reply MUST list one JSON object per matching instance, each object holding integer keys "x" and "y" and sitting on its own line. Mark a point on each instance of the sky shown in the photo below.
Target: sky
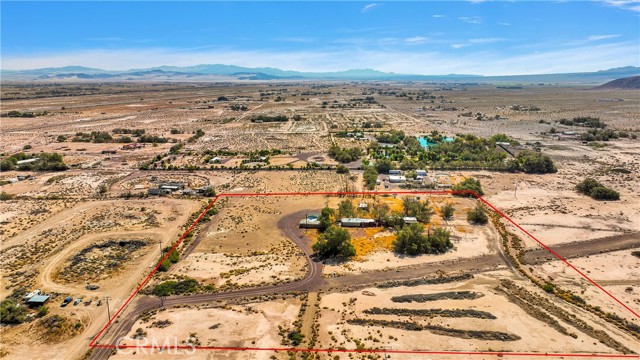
{"x": 420, "y": 37}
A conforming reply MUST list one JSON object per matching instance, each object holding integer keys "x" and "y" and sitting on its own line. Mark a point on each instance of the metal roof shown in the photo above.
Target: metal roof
{"x": 38, "y": 298}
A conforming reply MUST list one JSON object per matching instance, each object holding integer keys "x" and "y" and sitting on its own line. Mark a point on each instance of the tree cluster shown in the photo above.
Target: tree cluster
{"x": 370, "y": 177}
{"x": 586, "y": 121}
{"x": 269, "y": 118}
{"x": 391, "y": 137}
{"x": 421, "y": 210}
{"x": 46, "y": 162}
{"x": 412, "y": 240}
{"x": 334, "y": 242}
{"x": 532, "y": 162}
{"x": 345, "y": 155}
{"x": 596, "y": 190}
{"x": 471, "y": 184}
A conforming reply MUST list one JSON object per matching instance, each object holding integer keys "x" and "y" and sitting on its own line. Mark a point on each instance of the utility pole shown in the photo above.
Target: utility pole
{"x": 160, "y": 244}
{"x": 107, "y": 298}
{"x": 515, "y": 190}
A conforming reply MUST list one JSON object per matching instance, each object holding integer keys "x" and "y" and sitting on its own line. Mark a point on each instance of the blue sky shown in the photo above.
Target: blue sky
{"x": 426, "y": 37}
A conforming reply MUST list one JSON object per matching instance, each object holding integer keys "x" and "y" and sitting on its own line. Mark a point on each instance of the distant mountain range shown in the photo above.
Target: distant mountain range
{"x": 218, "y": 72}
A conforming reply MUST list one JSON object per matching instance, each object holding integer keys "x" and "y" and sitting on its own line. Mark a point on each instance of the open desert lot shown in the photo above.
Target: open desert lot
{"x": 319, "y": 220}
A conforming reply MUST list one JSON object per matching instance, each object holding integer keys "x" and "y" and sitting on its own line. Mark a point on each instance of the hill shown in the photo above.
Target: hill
{"x": 630, "y": 83}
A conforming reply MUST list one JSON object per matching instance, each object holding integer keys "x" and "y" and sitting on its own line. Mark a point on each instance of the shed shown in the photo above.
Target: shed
{"x": 395, "y": 172}
{"x": 363, "y": 206}
{"x": 410, "y": 220}
{"x": 357, "y": 222}
{"x": 155, "y": 192}
{"x": 421, "y": 172}
{"x": 38, "y": 300}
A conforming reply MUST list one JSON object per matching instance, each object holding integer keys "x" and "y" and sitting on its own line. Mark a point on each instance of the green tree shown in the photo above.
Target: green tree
{"x": 12, "y": 312}
{"x": 477, "y": 216}
{"x": 380, "y": 212}
{"x": 439, "y": 240}
{"x": 370, "y": 176}
{"x": 326, "y": 218}
{"x": 447, "y": 211}
{"x": 532, "y": 162}
{"x": 471, "y": 184}
{"x": 346, "y": 209}
{"x": 418, "y": 209}
{"x": 334, "y": 242}
{"x": 383, "y": 166}
{"x": 412, "y": 240}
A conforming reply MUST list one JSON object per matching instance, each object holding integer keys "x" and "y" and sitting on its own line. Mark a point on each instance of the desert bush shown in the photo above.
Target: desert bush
{"x": 447, "y": 211}
{"x": 596, "y": 190}
{"x": 477, "y": 216}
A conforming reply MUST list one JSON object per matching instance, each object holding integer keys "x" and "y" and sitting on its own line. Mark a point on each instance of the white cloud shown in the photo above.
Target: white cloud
{"x": 369, "y": 7}
{"x": 504, "y": 23}
{"x": 589, "y": 57}
{"x": 437, "y": 16}
{"x": 459, "y": 45}
{"x": 632, "y": 5}
{"x": 602, "y": 37}
{"x": 296, "y": 39}
{"x": 471, "y": 20}
{"x": 416, "y": 40}
{"x": 486, "y": 40}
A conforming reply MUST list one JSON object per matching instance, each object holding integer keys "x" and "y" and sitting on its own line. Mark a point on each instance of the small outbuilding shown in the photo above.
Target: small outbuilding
{"x": 397, "y": 179}
{"x": 409, "y": 220}
{"x": 395, "y": 172}
{"x": 38, "y": 300}
{"x": 309, "y": 223}
{"x": 421, "y": 172}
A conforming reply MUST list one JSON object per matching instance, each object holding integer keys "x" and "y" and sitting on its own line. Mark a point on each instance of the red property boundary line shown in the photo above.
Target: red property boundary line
{"x": 94, "y": 342}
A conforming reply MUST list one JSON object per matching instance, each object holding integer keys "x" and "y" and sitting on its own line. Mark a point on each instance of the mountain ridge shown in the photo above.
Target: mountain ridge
{"x": 210, "y": 72}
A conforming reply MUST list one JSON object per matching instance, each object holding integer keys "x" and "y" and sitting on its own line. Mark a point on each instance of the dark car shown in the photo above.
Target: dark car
{"x": 66, "y": 301}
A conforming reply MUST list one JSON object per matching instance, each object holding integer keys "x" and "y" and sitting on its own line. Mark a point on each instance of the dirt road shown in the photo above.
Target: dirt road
{"x": 314, "y": 280}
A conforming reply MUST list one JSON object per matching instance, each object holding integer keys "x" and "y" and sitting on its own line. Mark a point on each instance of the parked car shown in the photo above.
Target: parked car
{"x": 66, "y": 301}
{"x": 78, "y": 301}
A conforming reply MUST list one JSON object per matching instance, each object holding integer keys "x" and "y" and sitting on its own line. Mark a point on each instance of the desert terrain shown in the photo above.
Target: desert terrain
{"x": 143, "y": 161}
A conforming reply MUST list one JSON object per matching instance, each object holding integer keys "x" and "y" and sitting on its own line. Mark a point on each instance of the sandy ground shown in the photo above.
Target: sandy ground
{"x": 242, "y": 245}
{"x": 251, "y": 325}
{"x": 618, "y": 272}
{"x": 535, "y": 335}
{"x": 171, "y": 214}
{"x": 41, "y": 234}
